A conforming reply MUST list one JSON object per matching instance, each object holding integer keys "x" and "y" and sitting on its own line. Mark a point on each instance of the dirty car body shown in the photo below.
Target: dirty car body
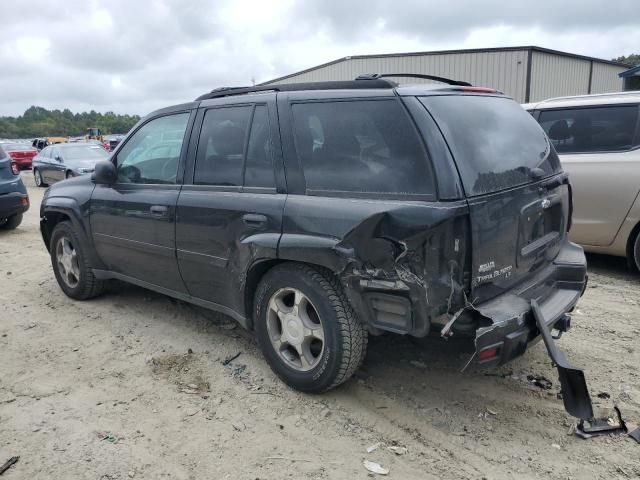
{"x": 438, "y": 210}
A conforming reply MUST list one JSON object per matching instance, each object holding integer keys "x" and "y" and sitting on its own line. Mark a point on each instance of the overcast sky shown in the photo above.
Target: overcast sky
{"x": 133, "y": 56}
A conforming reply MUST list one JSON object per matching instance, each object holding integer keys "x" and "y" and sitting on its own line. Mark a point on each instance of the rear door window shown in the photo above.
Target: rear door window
{"x": 597, "y": 129}
{"x": 364, "y": 146}
{"x": 496, "y": 144}
{"x": 234, "y": 149}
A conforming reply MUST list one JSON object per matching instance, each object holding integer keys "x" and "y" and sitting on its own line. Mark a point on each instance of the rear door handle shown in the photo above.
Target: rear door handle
{"x": 159, "y": 210}
{"x": 254, "y": 220}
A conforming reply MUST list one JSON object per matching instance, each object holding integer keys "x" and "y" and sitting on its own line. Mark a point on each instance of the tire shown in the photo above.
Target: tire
{"x": 11, "y": 222}
{"x": 344, "y": 339}
{"x": 73, "y": 273}
{"x": 37, "y": 177}
{"x": 636, "y": 251}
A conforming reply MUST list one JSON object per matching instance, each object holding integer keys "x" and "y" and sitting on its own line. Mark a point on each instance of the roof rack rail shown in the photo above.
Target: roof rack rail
{"x": 292, "y": 87}
{"x": 376, "y": 76}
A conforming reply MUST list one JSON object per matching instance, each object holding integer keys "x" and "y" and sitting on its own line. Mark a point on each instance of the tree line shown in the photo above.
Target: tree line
{"x": 40, "y": 122}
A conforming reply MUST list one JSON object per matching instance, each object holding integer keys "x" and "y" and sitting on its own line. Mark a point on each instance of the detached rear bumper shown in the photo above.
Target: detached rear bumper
{"x": 512, "y": 326}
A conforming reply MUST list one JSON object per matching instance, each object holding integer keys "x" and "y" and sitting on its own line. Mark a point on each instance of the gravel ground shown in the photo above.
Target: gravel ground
{"x": 133, "y": 385}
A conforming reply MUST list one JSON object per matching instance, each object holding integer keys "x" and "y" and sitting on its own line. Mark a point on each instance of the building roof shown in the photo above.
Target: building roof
{"x": 448, "y": 52}
{"x": 632, "y": 72}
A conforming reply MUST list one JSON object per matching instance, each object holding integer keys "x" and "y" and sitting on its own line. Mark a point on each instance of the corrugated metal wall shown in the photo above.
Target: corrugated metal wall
{"x": 506, "y": 70}
{"x": 557, "y": 76}
{"x": 605, "y": 78}
{"x": 552, "y": 75}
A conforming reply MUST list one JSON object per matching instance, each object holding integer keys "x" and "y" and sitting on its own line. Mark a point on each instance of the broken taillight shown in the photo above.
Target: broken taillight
{"x": 24, "y": 201}
{"x": 15, "y": 169}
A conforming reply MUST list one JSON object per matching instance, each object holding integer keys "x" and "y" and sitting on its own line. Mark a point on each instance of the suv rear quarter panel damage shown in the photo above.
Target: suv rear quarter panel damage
{"x": 402, "y": 264}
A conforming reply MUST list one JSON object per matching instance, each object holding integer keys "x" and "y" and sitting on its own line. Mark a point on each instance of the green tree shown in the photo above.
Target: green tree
{"x": 633, "y": 59}
{"x": 40, "y": 122}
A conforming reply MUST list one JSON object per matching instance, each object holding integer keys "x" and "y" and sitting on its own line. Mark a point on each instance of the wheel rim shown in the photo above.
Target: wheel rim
{"x": 67, "y": 261}
{"x": 38, "y": 178}
{"x": 295, "y": 329}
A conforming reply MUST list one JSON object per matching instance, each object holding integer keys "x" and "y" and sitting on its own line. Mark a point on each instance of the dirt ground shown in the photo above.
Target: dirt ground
{"x": 133, "y": 385}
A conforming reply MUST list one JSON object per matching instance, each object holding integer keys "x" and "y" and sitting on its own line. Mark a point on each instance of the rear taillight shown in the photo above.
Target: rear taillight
{"x": 24, "y": 201}
{"x": 15, "y": 169}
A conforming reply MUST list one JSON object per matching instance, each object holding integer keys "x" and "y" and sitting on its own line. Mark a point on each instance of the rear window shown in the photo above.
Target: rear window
{"x": 364, "y": 146}
{"x": 496, "y": 144}
{"x": 599, "y": 129}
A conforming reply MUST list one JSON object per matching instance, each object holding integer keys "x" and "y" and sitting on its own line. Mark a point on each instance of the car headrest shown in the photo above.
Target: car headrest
{"x": 559, "y": 130}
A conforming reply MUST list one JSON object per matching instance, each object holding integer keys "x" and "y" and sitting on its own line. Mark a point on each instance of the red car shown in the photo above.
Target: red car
{"x": 21, "y": 154}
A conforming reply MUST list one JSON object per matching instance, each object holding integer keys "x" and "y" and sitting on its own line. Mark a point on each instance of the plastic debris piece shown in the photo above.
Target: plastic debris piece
{"x": 397, "y": 450}
{"x": 374, "y": 447}
{"x": 374, "y": 467}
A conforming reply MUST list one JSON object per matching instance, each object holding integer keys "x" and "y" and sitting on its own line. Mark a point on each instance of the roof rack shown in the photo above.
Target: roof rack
{"x": 292, "y": 87}
{"x": 448, "y": 81}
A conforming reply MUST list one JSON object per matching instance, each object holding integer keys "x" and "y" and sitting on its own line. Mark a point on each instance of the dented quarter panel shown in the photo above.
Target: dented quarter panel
{"x": 416, "y": 250}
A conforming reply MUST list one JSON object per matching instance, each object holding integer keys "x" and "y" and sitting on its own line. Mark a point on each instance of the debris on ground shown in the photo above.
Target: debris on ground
{"x": 7, "y": 465}
{"x": 540, "y": 381}
{"x": 397, "y": 450}
{"x": 374, "y": 447}
{"x": 635, "y": 434}
{"x": 603, "y": 395}
{"x": 374, "y": 467}
{"x": 230, "y": 359}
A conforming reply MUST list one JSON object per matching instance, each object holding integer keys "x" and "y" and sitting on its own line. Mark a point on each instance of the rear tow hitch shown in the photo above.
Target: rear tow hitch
{"x": 573, "y": 385}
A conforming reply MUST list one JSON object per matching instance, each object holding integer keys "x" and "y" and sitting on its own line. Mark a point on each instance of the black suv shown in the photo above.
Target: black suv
{"x": 317, "y": 214}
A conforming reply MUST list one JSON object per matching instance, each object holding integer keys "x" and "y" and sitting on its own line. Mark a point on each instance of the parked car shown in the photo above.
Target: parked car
{"x": 21, "y": 153}
{"x": 58, "y": 162}
{"x": 316, "y": 214}
{"x": 598, "y": 140}
{"x": 14, "y": 200}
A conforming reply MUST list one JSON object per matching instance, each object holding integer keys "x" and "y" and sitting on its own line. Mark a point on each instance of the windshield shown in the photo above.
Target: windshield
{"x": 496, "y": 144}
{"x": 83, "y": 152}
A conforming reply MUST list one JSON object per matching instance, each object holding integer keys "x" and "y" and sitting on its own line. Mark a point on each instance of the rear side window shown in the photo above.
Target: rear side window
{"x": 234, "y": 148}
{"x": 600, "y": 129}
{"x": 496, "y": 144}
{"x": 367, "y": 146}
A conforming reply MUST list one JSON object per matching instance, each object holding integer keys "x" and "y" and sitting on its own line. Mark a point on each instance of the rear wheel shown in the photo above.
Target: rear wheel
{"x": 71, "y": 264}
{"x": 636, "y": 251}
{"x": 11, "y": 222}
{"x": 37, "y": 176}
{"x": 306, "y": 328}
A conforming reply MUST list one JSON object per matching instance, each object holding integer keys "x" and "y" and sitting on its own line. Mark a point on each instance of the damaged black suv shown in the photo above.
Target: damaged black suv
{"x": 317, "y": 214}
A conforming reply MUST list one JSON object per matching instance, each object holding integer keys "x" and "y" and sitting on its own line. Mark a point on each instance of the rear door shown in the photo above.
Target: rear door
{"x": 518, "y": 196}
{"x": 598, "y": 147}
{"x": 230, "y": 207}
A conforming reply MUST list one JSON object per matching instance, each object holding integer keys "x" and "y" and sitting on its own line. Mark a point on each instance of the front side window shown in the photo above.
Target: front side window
{"x": 366, "y": 146}
{"x": 597, "y": 129}
{"x": 152, "y": 154}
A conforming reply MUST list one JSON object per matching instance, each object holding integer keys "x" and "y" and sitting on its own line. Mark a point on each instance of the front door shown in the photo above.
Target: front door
{"x": 229, "y": 210}
{"x": 133, "y": 221}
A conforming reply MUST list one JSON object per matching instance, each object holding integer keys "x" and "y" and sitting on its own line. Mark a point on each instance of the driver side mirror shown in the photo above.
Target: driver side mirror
{"x": 105, "y": 173}
{"x": 58, "y": 158}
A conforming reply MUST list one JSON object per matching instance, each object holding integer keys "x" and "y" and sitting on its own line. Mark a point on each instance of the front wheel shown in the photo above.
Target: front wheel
{"x": 37, "y": 177}
{"x": 71, "y": 265}
{"x": 11, "y": 222}
{"x": 306, "y": 328}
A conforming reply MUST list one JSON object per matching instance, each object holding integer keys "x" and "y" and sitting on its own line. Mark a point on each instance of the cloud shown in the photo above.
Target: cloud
{"x": 134, "y": 56}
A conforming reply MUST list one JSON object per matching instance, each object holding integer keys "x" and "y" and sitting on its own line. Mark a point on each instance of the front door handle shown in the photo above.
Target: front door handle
{"x": 254, "y": 220}
{"x": 159, "y": 210}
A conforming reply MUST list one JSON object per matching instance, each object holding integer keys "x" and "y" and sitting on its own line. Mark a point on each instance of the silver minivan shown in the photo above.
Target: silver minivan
{"x": 598, "y": 140}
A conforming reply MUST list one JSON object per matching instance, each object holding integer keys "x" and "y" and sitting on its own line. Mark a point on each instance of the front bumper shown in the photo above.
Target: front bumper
{"x": 509, "y": 324}
{"x": 12, "y": 203}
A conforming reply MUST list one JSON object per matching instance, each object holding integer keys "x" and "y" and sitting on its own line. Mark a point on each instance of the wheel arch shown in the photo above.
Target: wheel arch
{"x": 631, "y": 243}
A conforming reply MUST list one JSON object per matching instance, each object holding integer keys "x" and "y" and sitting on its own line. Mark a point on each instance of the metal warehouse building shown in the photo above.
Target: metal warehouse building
{"x": 527, "y": 74}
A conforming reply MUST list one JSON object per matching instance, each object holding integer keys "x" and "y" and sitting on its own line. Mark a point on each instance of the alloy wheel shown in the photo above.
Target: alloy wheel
{"x": 295, "y": 329}
{"x": 67, "y": 261}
